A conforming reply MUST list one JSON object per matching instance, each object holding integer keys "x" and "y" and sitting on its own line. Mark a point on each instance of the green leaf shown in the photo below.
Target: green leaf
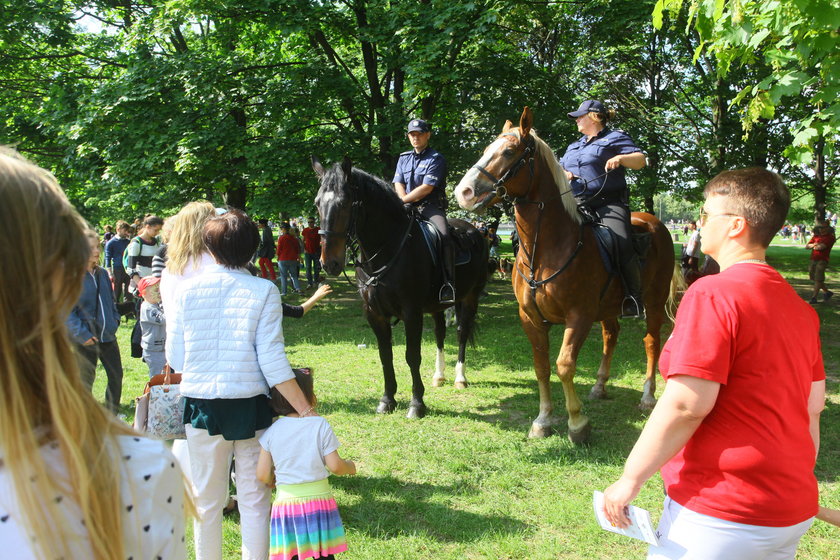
{"x": 804, "y": 136}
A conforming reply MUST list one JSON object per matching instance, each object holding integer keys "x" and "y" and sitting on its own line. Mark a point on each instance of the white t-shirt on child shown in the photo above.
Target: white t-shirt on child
{"x": 298, "y": 447}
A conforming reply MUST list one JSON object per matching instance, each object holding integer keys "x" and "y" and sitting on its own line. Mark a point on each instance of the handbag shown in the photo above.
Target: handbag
{"x": 159, "y": 411}
{"x": 136, "y": 338}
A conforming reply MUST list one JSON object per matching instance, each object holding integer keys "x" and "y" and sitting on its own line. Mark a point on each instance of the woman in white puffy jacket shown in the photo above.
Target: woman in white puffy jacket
{"x": 227, "y": 342}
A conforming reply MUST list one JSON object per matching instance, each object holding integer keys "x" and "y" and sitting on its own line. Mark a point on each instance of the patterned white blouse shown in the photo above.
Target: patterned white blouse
{"x": 152, "y": 493}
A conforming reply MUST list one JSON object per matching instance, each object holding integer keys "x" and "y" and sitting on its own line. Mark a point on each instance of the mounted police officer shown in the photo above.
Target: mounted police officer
{"x": 420, "y": 180}
{"x": 595, "y": 166}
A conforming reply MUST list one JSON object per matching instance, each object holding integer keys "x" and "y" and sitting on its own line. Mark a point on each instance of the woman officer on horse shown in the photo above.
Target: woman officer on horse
{"x": 595, "y": 165}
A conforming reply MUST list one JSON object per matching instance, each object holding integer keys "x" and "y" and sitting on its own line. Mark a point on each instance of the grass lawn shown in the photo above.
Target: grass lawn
{"x": 466, "y": 482}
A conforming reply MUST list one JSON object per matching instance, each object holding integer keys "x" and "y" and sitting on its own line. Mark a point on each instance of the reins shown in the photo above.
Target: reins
{"x": 498, "y": 185}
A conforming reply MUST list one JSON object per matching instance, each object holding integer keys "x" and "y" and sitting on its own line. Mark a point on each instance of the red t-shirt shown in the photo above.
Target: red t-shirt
{"x": 752, "y": 458}
{"x": 288, "y": 248}
{"x": 311, "y": 240}
{"x": 827, "y": 240}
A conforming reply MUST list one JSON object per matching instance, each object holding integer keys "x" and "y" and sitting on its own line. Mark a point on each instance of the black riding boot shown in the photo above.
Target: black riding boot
{"x": 633, "y": 305}
{"x": 447, "y": 291}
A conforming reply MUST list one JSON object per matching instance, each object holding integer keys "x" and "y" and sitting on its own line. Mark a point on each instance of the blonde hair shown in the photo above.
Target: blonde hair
{"x": 602, "y": 118}
{"x": 42, "y": 398}
{"x": 185, "y": 241}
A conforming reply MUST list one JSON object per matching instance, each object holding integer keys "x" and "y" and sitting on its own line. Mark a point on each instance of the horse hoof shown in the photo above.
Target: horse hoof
{"x": 580, "y": 435}
{"x": 438, "y": 381}
{"x": 647, "y": 404}
{"x": 416, "y": 411}
{"x": 461, "y": 384}
{"x": 386, "y": 407}
{"x": 540, "y": 431}
{"x": 597, "y": 393}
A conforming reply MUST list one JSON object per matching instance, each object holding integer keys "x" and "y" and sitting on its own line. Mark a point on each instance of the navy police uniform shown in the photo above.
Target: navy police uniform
{"x": 606, "y": 194}
{"x": 426, "y": 168}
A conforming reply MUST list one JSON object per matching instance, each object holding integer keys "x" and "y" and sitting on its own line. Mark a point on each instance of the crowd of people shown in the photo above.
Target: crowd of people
{"x": 737, "y": 463}
{"x": 85, "y": 484}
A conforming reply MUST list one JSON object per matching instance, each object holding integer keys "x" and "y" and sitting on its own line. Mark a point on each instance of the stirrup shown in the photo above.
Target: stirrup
{"x": 447, "y": 293}
{"x": 631, "y": 308}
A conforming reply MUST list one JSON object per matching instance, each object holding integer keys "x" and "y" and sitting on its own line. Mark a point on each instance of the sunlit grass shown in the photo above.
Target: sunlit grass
{"x": 466, "y": 482}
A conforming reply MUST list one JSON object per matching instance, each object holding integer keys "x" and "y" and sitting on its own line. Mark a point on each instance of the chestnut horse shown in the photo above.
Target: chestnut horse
{"x": 397, "y": 275}
{"x": 559, "y": 276}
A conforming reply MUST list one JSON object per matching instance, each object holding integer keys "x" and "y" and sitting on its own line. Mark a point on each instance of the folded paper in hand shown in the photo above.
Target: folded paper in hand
{"x": 641, "y": 527}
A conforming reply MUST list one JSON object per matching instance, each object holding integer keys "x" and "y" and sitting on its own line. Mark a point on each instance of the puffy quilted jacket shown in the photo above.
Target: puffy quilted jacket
{"x": 227, "y": 339}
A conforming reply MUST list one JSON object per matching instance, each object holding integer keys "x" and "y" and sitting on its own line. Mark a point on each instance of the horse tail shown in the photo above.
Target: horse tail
{"x": 678, "y": 286}
{"x": 467, "y": 322}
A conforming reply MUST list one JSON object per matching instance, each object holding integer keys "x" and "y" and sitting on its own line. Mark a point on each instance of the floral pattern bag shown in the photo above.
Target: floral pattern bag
{"x": 164, "y": 418}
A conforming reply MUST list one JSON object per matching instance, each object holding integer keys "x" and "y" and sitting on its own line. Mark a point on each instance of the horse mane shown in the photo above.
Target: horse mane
{"x": 559, "y": 176}
{"x": 377, "y": 187}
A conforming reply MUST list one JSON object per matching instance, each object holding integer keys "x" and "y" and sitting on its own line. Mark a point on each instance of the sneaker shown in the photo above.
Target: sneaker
{"x": 828, "y": 295}
{"x": 813, "y": 300}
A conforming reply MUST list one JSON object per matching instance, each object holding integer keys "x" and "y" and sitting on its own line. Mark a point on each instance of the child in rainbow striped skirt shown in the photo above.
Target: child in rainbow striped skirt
{"x": 304, "y": 516}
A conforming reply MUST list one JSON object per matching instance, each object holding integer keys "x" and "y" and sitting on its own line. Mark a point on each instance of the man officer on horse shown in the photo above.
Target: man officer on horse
{"x": 420, "y": 181}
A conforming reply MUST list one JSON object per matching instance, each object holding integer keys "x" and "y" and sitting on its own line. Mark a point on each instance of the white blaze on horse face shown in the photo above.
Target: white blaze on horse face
{"x": 327, "y": 197}
{"x": 474, "y": 185}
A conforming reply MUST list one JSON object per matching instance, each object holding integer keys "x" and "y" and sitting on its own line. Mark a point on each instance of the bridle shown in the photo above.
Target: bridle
{"x": 527, "y": 158}
{"x": 357, "y": 214}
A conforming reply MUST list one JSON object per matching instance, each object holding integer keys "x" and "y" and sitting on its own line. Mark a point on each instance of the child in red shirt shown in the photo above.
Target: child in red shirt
{"x": 820, "y": 246}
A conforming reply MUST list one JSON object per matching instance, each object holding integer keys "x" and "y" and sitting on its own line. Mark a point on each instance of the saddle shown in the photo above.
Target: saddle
{"x": 608, "y": 243}
{"x": 434, "y": 244}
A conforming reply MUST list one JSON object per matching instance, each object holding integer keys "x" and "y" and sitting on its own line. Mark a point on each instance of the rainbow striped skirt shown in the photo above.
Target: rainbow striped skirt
{"x": 305, "y": 522}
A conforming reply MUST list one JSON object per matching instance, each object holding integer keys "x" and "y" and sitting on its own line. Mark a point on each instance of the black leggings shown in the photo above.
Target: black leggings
{"x": 438, "y": 218}
{"x": 616, "y": 216}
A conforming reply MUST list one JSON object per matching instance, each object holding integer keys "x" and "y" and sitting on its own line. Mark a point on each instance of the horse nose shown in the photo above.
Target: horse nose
{"x": 467, "y": 193}
{"x": 333, "y": 267}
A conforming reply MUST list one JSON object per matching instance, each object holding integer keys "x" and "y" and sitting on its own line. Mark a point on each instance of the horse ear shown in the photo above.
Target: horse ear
{"x": 317, "y": 167}
{"x": 526, "y": 121}
{"x": 347, "y": 166}
{"x": 508, "y": 126}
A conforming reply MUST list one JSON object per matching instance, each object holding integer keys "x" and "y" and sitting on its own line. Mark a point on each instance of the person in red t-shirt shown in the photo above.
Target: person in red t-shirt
{"x": 288, "y": 254}
{"x": 312, "y": 253}
{"x": 736, "y": 430}
{"x": 820, "y": 246}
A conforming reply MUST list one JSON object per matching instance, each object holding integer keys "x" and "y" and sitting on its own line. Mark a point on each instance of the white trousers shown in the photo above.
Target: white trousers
{"x": 210, "y": 458}
{"x": 688, "y": 535}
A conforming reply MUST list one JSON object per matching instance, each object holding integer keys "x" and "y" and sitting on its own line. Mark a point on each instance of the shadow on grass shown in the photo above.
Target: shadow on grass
{"x": 389, "y": 507}
{"x": 613, "y": 419}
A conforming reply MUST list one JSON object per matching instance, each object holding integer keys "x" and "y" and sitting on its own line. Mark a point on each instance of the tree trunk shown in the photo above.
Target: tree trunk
{"x": 236, "y": 194}
{"x": 820, "y": 187}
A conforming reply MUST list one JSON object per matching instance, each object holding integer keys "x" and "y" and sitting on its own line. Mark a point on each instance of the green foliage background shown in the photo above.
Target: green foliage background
{"x": 141, "y": 106}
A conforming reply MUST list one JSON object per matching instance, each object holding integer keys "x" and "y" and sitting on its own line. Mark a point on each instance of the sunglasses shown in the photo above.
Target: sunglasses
{"x": 705, "y": 217}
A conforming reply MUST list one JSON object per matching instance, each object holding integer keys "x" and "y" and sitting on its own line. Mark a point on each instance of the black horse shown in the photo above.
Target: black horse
{"x": 396, "y": 272}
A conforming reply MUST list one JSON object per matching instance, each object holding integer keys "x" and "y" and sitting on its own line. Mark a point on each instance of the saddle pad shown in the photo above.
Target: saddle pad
{"x": 432, "y": 239}
{"x": 608, "y": 249}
